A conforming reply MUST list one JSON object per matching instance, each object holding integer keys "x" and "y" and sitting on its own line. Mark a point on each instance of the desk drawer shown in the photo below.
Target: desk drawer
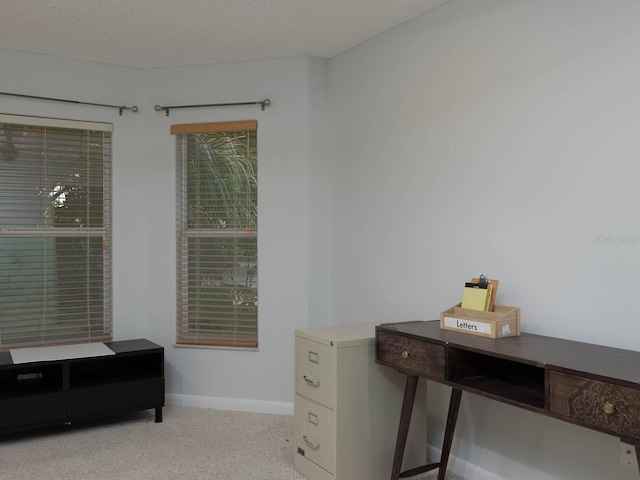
{"x": 605, "y": 405}
{"x": 410, "y": 355}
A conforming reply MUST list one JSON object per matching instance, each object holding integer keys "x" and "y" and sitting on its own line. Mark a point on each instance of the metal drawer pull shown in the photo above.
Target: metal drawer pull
{"x": 308, "y": 441}
{"x": 609, "y": 408}
{"x": 405, "y": 354}
{"x": 311, "y": 382}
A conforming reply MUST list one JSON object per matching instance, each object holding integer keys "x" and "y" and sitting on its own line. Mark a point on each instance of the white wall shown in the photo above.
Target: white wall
{"x": 496, "y": 137}
{"x": 232, "y": 378}
{"x": 50, "y": 76}
{"x": 318, "y": 185}
{"x": 144, "y": 212}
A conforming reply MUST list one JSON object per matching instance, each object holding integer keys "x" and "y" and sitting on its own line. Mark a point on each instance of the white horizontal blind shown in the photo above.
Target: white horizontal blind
{"x": 217, "y": 236}
{"x": 55, "y": 231}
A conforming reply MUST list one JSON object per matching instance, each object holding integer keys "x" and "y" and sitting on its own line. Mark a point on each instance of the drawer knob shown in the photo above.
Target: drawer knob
{"x": 609, "y": 408}
{"x": 405, "y": 354}
{"x": 310, "y": 381}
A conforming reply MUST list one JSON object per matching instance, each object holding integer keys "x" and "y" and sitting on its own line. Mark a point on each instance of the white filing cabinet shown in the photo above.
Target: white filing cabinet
{"x": 347, "y": 407}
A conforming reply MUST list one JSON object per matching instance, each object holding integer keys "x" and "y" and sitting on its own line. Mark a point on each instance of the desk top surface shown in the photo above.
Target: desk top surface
{"x": 568, "y": 355}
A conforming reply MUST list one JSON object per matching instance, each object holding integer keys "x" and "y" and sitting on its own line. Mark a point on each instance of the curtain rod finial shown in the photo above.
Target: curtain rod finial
{"x": 159, "y": 108}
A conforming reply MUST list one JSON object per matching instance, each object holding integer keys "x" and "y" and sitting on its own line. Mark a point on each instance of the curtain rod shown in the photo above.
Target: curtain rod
{"x": 166, "y": 108}
{"x": 33, "y": 97}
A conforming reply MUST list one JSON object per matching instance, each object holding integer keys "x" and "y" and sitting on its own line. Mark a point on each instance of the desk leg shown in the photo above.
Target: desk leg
{"x": 452, "y": 418}
{"x": 405, "y": 420}
{"x": 638, "y": 456}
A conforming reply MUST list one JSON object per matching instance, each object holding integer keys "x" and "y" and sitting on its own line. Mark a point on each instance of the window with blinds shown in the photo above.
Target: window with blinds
{"x": 217, "y": 234}
{"x": 55, "y": 231}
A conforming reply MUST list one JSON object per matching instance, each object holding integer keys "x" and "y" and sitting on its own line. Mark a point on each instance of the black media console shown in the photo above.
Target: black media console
{"x": 59, "y": 392}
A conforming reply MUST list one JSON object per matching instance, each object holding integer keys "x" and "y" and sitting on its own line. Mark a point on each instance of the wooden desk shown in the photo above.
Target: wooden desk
{"x": 589, "y": 385}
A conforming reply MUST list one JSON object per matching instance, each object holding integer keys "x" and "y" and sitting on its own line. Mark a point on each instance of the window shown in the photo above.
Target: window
{"x": 217, "y": 236}
{"x": 55, "y": 231}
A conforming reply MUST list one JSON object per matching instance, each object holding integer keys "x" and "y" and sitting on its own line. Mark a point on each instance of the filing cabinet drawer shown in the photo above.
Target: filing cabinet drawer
{"x": 608, "y": 406}
{"x": 410, "y": 355}
{"x": 315, "y": 371}
{"x": 315, "y": 428}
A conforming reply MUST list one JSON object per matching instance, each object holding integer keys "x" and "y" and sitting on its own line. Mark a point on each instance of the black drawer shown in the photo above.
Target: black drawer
{"x": 45, "y": 408}
{"x": 116, "y": 397}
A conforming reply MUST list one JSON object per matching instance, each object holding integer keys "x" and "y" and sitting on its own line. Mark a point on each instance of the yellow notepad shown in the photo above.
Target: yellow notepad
{"x": 475, "y": 297}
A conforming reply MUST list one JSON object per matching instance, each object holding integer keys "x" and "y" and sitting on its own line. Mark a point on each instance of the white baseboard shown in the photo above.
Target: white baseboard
{"x": 462, "y": 468}
{"x": 236, "y": 404}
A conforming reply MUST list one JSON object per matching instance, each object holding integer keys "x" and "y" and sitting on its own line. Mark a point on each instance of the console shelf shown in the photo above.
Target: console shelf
{"x": 64, "y": 391}
{"x": 506, "y": 380}
{"x": 504, "y": 391}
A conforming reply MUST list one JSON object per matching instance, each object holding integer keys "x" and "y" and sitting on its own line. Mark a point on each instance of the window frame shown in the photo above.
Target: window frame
{"x": 192, "y": 332}
{"x": 93, "y": 240}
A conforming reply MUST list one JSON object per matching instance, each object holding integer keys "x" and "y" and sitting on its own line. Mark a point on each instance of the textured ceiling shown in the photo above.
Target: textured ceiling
{"x": 156, "y": 33}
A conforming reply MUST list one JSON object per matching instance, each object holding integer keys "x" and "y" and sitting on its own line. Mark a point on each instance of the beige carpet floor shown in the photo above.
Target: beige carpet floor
{"x": 191, "y": 444}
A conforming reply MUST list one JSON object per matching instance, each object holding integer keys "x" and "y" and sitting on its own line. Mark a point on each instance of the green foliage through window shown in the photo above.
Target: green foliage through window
{"x": 217, "y": 238}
